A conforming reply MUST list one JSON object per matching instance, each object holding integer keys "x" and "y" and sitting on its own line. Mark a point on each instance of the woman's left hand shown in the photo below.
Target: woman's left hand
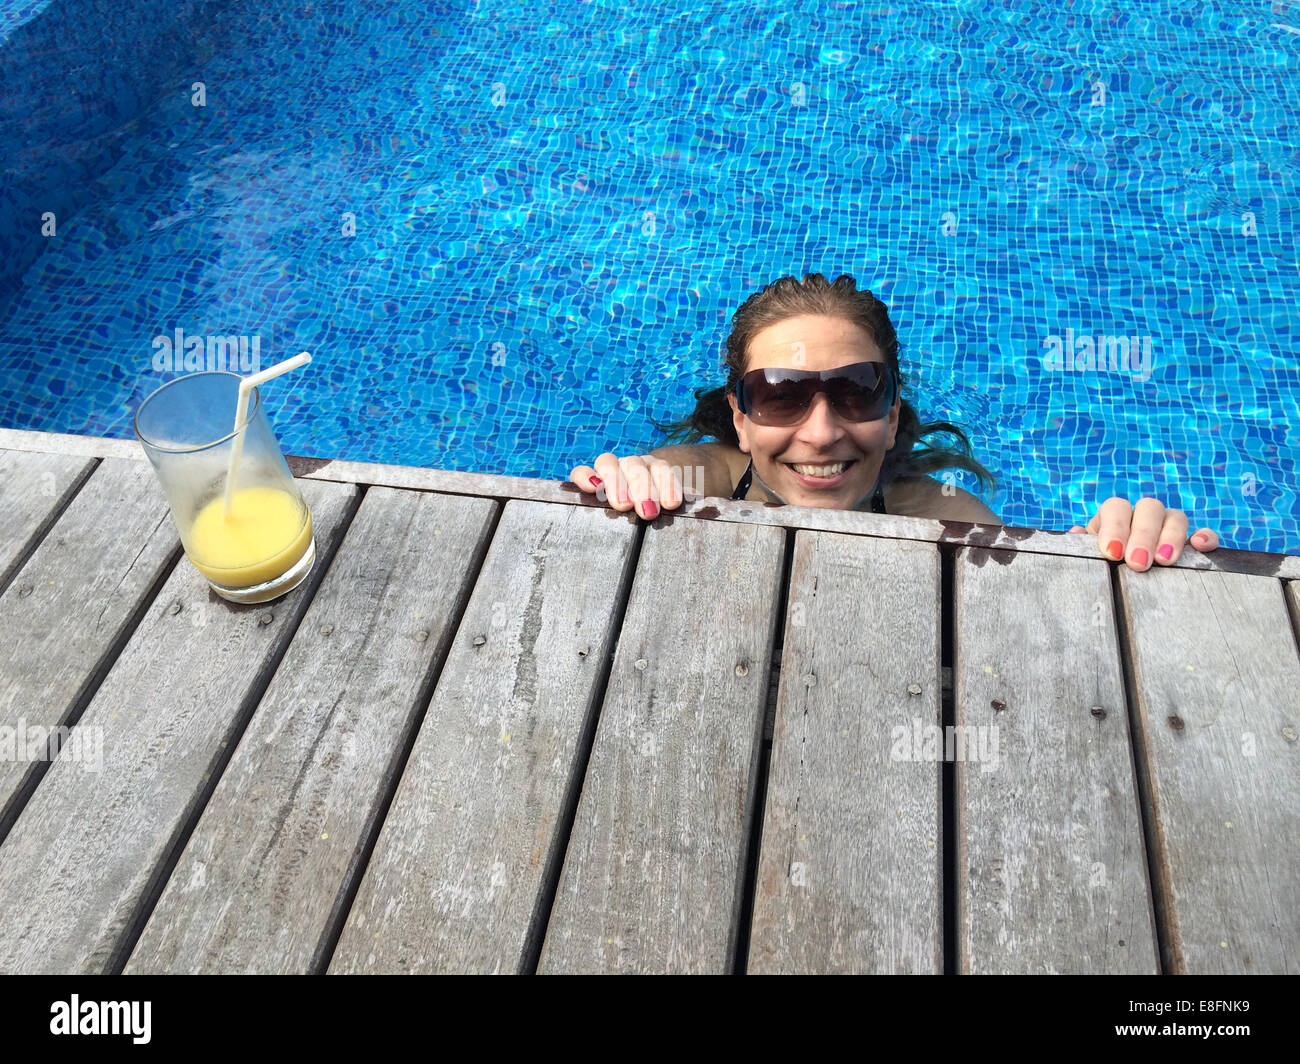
{"x": 1144, "y": 535}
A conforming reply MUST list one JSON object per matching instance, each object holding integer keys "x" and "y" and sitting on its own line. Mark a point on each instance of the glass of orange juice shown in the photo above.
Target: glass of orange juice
{"x": 262, "y": 546}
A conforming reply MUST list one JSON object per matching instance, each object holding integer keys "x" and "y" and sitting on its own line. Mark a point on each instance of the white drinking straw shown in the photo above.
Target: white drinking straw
{"x": 241, "y": 408}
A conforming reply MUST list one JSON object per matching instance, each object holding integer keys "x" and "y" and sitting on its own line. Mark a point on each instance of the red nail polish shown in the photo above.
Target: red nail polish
{"x": 1140, "y": 557}
{"x": 1115, "y": 549}
{"x": 1165, "y": 552}
{"x": 651, "y": 510}
{"x": 596, "y": 482}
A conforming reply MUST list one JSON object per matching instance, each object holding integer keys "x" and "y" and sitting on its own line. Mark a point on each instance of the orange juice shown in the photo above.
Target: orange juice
{"x": 266, "y": 534}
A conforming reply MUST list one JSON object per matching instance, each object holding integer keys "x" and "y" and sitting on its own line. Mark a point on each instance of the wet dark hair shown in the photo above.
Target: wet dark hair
{"x": 788, "y": 297}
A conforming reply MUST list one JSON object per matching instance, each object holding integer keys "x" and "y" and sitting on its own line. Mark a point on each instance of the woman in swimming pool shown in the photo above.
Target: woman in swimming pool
{"x": 812, "y": 415}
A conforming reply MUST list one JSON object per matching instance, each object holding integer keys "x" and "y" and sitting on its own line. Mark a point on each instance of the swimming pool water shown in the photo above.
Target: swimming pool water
{"x": 557, "y": 208}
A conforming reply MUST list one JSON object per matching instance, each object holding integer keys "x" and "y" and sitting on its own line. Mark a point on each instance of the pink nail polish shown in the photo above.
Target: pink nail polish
{"x": 1165, "y": 552}
{"x": 596, "y": 482}
{"x": 1140, "y": 557}
{"x": 651, "y": 510}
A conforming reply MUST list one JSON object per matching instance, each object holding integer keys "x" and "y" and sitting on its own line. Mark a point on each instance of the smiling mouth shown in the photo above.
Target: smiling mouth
{"x": 823, "y": 471}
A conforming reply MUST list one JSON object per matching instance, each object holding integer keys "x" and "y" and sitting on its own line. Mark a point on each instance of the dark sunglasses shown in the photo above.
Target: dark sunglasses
{"x": 783, "y": 397}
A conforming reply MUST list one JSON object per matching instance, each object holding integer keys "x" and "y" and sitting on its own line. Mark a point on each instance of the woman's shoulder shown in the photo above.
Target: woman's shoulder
{"x": 711, "y": 468}
{"x": 926, "y": 497}
{"x": 729, "y": 463}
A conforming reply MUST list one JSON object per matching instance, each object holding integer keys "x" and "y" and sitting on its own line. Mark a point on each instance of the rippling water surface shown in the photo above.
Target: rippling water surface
{"x": 558, "y": 207}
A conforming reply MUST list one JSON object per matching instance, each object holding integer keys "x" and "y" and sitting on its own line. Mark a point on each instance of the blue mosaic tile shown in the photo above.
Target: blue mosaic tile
{"x": 557, "y": 210}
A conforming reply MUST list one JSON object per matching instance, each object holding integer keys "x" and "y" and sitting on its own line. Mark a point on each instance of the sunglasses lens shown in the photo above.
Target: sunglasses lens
{"x": 863, "y": 399}
{"x": 778, "y": 398}
{"x": 782, "y": 402}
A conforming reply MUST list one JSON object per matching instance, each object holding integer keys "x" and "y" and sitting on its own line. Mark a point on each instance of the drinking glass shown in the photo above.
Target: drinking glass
{"x": 264, "y": 546}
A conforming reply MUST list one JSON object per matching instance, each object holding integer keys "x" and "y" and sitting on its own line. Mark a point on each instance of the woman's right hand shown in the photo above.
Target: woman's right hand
{"x": 639, "y": 481}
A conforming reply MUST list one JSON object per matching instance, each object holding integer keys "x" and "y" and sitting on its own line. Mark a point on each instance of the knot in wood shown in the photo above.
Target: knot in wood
{"x": 742, "y": 669}
{"x": 1098, "y": 712}
{"x": 640, "y": 663}
{"x": 1289, "y": 734}
{"x": 25, "y": 590}
{"x": 266, "y": 618}
{"x": 1175, "y": 722}
{"x": 998, "y": 704}
{"x": 810, "y": 680}
{"x": 421, "y": 635}
{"x": 913, "y": 688}
{"x": 479, "y": 640}
{"x": 326, "y": 629}
{"x": 174, "y": 608}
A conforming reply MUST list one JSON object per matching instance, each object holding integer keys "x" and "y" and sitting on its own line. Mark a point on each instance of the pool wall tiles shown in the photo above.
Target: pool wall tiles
{"x": 74, "y": 75}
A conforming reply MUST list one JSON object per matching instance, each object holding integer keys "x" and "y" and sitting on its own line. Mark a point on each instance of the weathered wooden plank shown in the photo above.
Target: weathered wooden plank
{"x": 84, "y": 851}
{"x": 71, "y": 604}
{"x": 1218, "y": 706}
{"x": 849, "y": 872}
{"x": 888, "y": 526}
{"x": 33, "y": 490}
{"x": 1051, "y": 865}
{"x": 653, "y": 870}
{"x": 70, "y": 444}
{"x": 853, "y": 522}
{"x": 455, "y": 879}
{"x": 261, "y": 878}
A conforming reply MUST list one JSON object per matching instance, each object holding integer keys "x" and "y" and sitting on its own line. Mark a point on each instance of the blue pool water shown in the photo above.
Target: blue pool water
{"x": 558, "y": 207}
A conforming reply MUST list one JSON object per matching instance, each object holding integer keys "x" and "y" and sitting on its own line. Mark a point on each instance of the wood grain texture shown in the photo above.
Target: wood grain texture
{"x": 71, "y": 603}
{"x": 849, "y": 873}
{"x": 653, "y": 869}
{"x": 1051, "y": 865}
{"x": 84, "y": 851}
{"x": 455, "y": 879}
{"x": 448, "y": 481}
{"x": 261, "y": 880}
{"x": 853, "y": 522}
{"x": 1218, "y": 704}
{"x": 71, "y": 444}
{"x": 33, "y": 490}
{"x": 650, "y": 876}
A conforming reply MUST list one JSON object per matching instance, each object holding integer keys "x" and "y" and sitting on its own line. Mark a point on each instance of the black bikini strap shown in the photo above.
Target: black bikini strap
{"x": 742, "y": 488}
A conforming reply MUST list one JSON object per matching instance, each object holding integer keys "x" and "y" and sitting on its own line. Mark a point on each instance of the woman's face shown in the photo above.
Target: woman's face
{"x": 813, "y": 342}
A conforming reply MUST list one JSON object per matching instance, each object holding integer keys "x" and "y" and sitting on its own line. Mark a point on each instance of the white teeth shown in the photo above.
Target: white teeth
{"x": 827, "y": 471}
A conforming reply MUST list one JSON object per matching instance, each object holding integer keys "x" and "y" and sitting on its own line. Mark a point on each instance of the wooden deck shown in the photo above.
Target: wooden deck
{"x": 504, "y": 729}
